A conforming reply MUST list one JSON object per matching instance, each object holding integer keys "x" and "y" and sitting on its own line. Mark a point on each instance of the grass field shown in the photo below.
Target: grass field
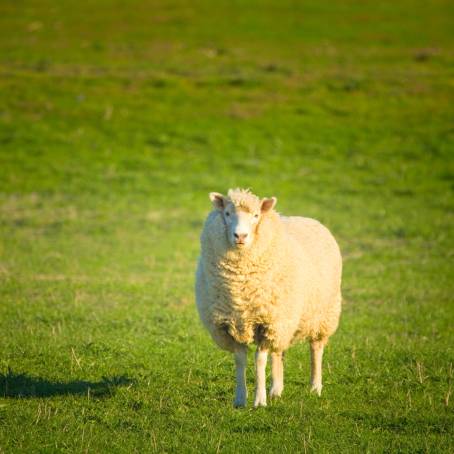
{"x": 117, "y": 119}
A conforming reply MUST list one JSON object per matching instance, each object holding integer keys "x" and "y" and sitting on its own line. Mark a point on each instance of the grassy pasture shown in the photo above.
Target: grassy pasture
{"x": 116, "y": 120}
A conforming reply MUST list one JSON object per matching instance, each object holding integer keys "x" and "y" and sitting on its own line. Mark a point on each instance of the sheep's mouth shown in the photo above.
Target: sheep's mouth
{"x": 238, "y": 244}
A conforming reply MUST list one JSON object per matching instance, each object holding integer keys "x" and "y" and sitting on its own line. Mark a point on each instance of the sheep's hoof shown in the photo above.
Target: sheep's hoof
{"x": 259, "y": 404}
{"x": 239, "y": 403}
{"x": 275, "y": 393}
{"x": 260, "y": 401}
{"x": 317, "y": 389}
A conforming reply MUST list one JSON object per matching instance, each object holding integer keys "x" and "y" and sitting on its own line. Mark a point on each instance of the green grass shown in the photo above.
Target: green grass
{"x": 116, "y": 120}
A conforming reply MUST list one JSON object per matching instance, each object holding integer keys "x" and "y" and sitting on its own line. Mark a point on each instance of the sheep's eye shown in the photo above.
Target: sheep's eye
{"x": 227, "y": 213}
{"x": 256, "y": 215}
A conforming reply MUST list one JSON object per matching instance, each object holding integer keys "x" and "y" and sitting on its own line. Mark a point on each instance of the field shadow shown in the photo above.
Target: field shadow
{"x": 23, "y": 386}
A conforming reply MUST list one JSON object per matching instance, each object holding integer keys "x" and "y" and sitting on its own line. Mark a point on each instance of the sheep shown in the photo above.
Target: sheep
{"x": 268, "y": 280}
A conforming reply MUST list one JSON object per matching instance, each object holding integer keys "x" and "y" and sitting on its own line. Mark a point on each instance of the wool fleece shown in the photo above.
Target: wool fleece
{"x": 285, "y": 287}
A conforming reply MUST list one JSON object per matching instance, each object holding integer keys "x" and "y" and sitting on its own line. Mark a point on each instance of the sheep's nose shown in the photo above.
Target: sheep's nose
{"x": 240, "y": 236}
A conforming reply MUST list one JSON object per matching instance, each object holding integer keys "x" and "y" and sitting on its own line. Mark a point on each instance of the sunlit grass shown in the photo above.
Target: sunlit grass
{"x": 116, "y": 120}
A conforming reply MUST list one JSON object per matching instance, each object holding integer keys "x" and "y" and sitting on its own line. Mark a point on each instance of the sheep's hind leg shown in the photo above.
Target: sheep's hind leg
{"x": 261, "y": 357}
{"x": 277, "y": 374}
{"x": 241, "y": 364}
{"x": 317, "y": 347}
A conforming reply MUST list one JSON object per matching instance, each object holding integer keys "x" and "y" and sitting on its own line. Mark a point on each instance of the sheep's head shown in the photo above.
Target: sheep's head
{"x": 242, "y": 212}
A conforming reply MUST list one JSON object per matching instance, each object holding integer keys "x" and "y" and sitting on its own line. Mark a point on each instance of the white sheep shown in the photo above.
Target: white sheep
{"x": 270, "y": 280}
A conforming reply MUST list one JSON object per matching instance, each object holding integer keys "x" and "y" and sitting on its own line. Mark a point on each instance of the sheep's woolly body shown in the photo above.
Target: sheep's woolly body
{"x": 285, "y": 287}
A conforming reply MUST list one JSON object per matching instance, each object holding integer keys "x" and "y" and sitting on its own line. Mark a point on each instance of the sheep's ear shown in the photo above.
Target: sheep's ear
{"x": 217, "y": 200}
{"x": 268, "y": 204}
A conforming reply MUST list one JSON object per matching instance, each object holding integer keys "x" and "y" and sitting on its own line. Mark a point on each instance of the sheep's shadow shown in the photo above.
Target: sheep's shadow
{"x": 21, "y": 385}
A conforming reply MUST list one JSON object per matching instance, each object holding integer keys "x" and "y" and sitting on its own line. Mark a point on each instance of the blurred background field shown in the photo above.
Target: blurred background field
{"x": 117, "y": 119}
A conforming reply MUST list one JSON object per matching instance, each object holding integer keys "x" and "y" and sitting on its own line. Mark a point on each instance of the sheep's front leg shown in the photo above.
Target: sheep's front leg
{"x": 277, "y": 374}
{"x": 317, "y": 347}
{"x": 261, "y": 357}
{"x": 241, "y": 389}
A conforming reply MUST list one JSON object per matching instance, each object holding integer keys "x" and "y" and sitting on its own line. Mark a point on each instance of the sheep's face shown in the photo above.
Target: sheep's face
{"x": 241, "y": 219}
